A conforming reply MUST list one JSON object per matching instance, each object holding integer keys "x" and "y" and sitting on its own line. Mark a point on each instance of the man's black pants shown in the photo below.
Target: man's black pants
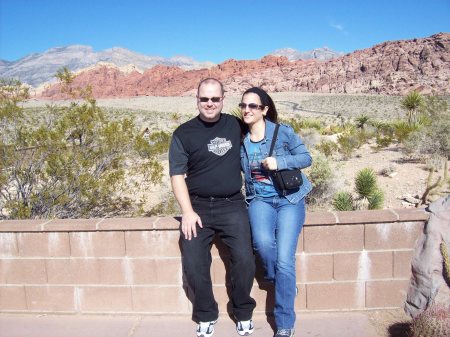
{"x": 228, "y": 218}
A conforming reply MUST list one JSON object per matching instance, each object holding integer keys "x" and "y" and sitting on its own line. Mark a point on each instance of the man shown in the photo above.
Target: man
{"x": 204, "y": 161}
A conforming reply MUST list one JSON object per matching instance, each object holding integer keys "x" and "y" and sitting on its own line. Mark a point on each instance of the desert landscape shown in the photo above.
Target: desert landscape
{"x": 404, "y": 184}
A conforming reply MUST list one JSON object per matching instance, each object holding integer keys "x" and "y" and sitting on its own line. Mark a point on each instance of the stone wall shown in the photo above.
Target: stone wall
{"x": 346, "y": 261}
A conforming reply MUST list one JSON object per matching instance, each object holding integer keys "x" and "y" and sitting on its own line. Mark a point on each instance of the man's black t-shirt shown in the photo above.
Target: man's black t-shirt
{"x": 208, "y": 153}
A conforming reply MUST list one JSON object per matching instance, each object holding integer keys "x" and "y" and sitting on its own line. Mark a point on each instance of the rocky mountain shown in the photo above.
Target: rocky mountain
{"x": 35, "y": 69}
{"x": 322, "y": 54}
{"x": 391, "y": 68}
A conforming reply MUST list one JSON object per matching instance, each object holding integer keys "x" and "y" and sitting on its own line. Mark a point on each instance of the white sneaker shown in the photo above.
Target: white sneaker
{"x": 245, "y": 328}
{"x": 205, "y": 329}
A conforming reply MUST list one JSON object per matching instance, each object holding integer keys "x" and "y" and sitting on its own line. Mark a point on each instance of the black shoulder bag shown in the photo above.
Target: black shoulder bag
{"x": 285, "y": 180}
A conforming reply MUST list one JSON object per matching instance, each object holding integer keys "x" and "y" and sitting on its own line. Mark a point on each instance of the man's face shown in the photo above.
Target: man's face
{"x": 210, "y": 102}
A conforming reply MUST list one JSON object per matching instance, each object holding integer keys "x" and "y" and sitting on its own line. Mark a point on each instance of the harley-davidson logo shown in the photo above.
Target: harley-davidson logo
{"x": 219, "y": 146}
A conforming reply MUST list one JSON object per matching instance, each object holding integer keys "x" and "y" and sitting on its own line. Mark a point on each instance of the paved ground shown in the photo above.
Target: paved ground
{"x": 335, "y": 324}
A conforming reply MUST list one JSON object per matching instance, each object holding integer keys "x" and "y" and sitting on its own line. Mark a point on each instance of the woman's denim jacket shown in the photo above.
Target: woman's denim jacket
{"x": 289, "y": 152}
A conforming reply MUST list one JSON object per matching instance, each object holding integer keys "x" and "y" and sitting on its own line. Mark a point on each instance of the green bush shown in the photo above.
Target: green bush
{"x": 73, "y": 163}
{"x": 327, "y": 147}
{"x": 323, "y": 180}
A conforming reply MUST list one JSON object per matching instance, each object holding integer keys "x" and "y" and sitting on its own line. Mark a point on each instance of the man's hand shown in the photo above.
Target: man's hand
{"x": 189, "y": 223}
{"x": 270, "y": 163}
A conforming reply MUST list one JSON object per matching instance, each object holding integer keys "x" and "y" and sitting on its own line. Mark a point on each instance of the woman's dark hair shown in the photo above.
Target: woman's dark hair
{"x": 266, "y": 100}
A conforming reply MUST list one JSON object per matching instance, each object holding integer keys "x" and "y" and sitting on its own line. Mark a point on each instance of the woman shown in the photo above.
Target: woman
{"x": 276, "y": 220}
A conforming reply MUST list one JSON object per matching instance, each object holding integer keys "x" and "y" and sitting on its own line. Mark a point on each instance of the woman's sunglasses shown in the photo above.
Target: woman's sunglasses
{"x": 251, "y": 106}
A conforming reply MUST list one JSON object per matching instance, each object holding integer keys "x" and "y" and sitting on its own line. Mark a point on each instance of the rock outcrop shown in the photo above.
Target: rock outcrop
{"x": 427, "y": 284}
{"x": 390, "y": 68}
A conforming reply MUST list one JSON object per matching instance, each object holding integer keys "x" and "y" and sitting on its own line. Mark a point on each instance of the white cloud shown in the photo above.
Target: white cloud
{"x": 337, "y": 26}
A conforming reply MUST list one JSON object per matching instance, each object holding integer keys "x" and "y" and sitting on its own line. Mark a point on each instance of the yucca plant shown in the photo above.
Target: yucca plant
{"x": 412, "y": 103}
{"x": 369, "y": 195}
{"x": 343, "y": 201}
{"x": 365, "y": 182}
{"x": 361, "y": 121}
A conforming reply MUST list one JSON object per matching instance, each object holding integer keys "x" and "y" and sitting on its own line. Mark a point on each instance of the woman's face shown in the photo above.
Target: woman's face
{"x": 252, "y": 109}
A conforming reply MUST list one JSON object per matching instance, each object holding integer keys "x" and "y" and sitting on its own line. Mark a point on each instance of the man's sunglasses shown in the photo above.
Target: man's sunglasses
{"x": 251, "y": 106}
{"x": 213, "y": 99}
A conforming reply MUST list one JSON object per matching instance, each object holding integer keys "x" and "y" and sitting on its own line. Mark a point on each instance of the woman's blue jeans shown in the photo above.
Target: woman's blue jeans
{"x": 276, "y": 225}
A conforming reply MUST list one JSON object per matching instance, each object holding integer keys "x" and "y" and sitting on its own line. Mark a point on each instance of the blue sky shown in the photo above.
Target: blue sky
{"x": 214, "y": 30}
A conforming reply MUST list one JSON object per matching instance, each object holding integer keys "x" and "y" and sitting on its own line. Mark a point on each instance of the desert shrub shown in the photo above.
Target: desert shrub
{"x": 72, "y": 164}
{"x": 343, "y": 201}
{"x": 327, "y": 147}
{"x": 402, "y": 129}
{"x": 434, "y": 321}
{"x": 169, "y": 206}
{"x": 323, "y": 180}
{"x": 310, "y": 137}
{"x": 348, "y": 143}
{"x": 384, "y": 133}
{"x": 305, "y": 123}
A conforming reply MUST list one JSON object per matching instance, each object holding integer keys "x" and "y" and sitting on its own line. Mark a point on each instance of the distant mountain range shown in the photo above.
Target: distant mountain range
{"x": 36, "y": 69}
{"x": 388, "y": 68}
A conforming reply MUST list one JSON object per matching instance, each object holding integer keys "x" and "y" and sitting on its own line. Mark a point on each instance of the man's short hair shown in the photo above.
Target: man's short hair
{"x": 210, "y": 80}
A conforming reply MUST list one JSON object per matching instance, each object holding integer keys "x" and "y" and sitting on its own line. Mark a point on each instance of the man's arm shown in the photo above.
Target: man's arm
{"x": 189, "y": 218}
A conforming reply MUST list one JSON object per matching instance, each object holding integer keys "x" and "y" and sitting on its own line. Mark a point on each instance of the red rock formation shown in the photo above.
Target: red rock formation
{"x": 389, "y": 68}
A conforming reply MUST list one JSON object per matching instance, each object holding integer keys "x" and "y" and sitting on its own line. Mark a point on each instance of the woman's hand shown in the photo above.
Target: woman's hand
{"x": 270, "y": 163}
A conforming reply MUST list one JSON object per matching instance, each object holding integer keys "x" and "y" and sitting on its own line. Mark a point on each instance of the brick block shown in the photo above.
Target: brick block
{"x": 219, "y": 268}
{"x": 152, "y": 244}
{"x": 321, "y": 239}
{"x": 392, "y": 235}
{"x": 335, "y": 296}
{"x": 168, "y": 271}
{"x": 320, "y": 218}
{"x": 300, "y": 300}
{"x": 8, "y": 245}
{"x": 264, "y": 296}
{"x": 301, "y": 242}
{"x": 97, "y": 244}
{"x": 115, "y": 271}
{"x": 50, "y": 298}
{"x": 313, "y": 268}
{"x": 12, "y": 298}
{"x": 221, "y": 297}
{"x": 382, "y": 294}
{"x": 73, "y": 271}
{"x": 171, "y": 223}
{"x": 126, "y": 224}
{"x": 17, "y": 271}
{"x": 43, "y": 244}
{"x": 105, "y": 299}
{"x": 143, "y": 271}
{"x": 366, "y": 216}
{"x": 362, "y": 266}
{"x": 160, "y": 300}
{"x": 402, "y": 264}
{"x": 156, "y": 271}
{"x": 71, "y": 225}
{"x": 22, "y": 225}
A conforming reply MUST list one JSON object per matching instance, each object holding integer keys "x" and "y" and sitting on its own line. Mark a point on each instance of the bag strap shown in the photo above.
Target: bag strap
{"x": 275, "y": 133}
